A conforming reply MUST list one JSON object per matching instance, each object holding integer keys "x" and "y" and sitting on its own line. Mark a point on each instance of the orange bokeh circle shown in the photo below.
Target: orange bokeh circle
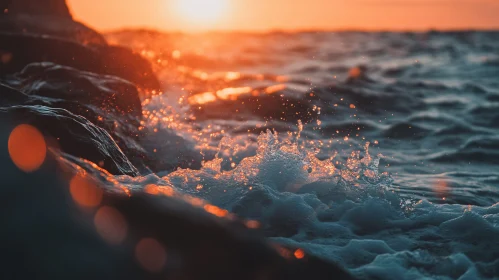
{"x": 85, "y": 192}
{"x": 27, "y": 147}
{"x": 151, "y": 255}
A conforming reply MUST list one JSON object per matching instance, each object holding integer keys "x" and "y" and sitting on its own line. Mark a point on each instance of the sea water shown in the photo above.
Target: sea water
{"x": 378, "y": 151}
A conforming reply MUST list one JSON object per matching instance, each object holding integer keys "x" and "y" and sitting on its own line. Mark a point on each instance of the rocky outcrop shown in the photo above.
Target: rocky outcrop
{"x": 49, "y": 60}
{"x": 45, "y": 17}
{"x": 108, "y": 103}
{"x": 109, "y": 93}
{"x": 47, "y": 235}
{"x": 105, "y": 101}
{"x": 54, "y": 8}
{"x": 73, "y": 134}
{"x": 122, "y": 62}
{"x": 18, "y": 50}
{"x": 43, "y": 30}
{"x": 58, "y": 27}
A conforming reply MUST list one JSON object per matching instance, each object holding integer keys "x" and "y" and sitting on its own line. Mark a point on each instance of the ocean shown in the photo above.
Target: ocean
{"x": 376, "y": 151}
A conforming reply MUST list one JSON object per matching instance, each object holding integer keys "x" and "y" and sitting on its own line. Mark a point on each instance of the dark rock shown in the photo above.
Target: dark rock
{"x": 122, "y": 62}
{"x": 43, "y": 30}
{"x": 106, "y": 101}
{"x": 47, "y": 236}
{"x": 55, "y": 8}
{"x": 59, "y": 27}
{"x": 45, "y": 17}
{"x": 73, "y": 134}
{"x": 58, "y": 63}
{"x": 216, "y": 248}
{"x": 22, "y": 49}
{"x": 109, "y": 93}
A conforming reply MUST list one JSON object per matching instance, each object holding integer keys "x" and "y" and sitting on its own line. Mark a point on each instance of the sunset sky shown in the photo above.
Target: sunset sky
{"x": 261, "y": 15}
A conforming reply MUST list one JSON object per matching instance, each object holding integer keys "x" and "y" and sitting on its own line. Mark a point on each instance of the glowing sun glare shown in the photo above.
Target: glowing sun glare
{"x": 201, "y": 11}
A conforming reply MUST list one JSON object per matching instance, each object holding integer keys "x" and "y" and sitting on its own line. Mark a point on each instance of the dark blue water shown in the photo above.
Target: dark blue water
{"x": 379, "y": 151}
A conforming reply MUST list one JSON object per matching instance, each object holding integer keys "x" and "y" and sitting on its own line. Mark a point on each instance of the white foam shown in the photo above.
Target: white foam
{"x": 346, "y": 213}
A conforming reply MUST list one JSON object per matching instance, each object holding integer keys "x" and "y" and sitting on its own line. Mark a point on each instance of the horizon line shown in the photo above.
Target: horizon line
{"x": 301, "y": 30}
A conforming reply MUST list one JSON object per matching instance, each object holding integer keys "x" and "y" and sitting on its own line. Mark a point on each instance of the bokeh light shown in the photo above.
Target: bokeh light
{"x": 252, "y": 224}
{"x": 151, "y": 255}
{"x": 441, "y": 187}
{"x": 84, "y": 191}
{"x": 214, "y": 210}
{"x": 299, "y": 254}
{"x": 27, "y": 147}
{"x": 111, "y": 225}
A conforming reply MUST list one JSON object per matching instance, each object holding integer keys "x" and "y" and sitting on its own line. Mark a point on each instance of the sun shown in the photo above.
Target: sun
{"x": 201, "y": 11}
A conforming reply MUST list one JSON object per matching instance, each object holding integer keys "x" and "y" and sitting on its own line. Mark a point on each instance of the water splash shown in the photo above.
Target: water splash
{"x": 412, "y": 92}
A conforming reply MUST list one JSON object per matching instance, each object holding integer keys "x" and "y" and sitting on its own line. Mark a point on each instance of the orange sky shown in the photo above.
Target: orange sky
{"x": 295, "y": 14}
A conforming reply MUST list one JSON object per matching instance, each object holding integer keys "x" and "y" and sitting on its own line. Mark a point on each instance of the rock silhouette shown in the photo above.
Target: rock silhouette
{"x": 198, "y": 245}
{"x": 73, "y": 134}
{"x": 44, "y": 31}
{"x": 109, "y": 93}
{"x": 55, "y": 8}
